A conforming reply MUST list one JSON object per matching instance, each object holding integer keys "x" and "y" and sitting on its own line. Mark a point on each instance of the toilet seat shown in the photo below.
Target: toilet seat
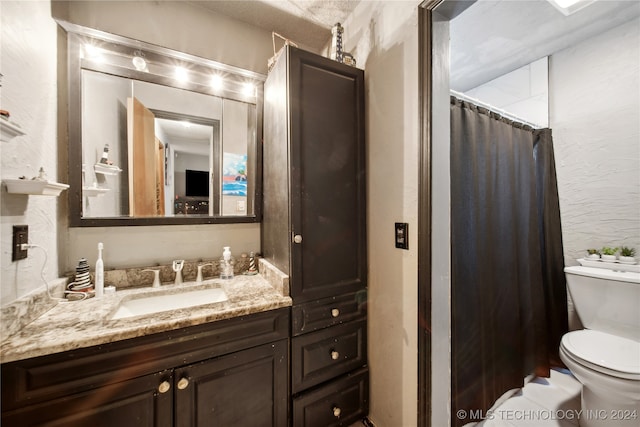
{"x": 605, "y": 353}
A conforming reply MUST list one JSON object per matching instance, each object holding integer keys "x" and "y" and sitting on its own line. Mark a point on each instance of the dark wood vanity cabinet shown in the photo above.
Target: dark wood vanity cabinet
{"x": 314, "y": 228}
{"x": 230, "y": 373}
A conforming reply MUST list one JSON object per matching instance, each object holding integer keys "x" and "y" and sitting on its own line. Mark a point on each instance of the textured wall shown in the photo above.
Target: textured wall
{"x": 383, "y": 36}
{"x": 595, "y": 117}
{"x": 34, "y": 90}
{"x": 29, "y": 92}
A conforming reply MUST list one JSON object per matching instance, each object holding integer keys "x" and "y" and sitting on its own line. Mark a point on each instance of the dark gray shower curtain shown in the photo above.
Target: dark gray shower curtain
{"x": 509, "y": 306}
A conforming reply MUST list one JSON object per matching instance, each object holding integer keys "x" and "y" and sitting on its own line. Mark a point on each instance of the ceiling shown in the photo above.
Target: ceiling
{"x": 307, "y": 23}
{"x": 492, "y": 38}
{"x": 489, "y": 39}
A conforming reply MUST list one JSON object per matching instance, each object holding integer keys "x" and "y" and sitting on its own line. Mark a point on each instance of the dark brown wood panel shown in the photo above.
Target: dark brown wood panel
{"x": 43, "y": 378}
{"x": 327, "y": 312}
{"x": 328, "y": 182}
{"x": 322, "y": 355}
{"x": 338, "y": 403}
{"x": 135, "y": 402}
{"x": 243, "y": 389}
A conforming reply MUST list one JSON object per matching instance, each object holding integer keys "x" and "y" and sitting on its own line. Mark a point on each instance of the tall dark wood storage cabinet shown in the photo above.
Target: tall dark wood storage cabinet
{"x": 314, "y": 229}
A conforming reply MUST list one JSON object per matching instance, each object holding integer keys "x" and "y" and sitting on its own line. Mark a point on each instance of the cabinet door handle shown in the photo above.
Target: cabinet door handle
{"x": 297, "y": 238}
{"x": 183, "y": 383}
{"x": 336, "y": 412}
{"x": 335, "y": 312}
{"x": 164, "y": 387}
{"x": 335, "y": 355}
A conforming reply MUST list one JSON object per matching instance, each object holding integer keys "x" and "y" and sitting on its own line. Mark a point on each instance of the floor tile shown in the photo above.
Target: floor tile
{"x": 522, "y": 412}
{"x": 557, "y": 400}
{"x": 565, "y": 379}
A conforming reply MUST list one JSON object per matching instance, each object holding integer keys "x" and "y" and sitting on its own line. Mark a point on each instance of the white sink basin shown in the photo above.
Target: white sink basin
{"x": 148, "y": 304}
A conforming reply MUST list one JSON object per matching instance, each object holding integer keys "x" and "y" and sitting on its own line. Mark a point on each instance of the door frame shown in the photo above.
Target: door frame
{"x": 430, "y": 69}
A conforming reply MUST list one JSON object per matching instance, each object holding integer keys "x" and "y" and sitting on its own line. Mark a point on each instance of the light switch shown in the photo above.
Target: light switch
{"x": 402, "y": 235}
{"x": 240, "y": 206}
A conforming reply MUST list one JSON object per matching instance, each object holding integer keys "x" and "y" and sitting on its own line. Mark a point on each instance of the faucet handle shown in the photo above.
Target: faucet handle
{"x": 178, "y": 264}
{"x": 156, "y": 279}
{"x": 199, "y": 278}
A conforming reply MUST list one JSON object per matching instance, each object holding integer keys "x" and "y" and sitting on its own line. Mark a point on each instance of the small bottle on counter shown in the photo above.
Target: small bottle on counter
{"x": 226, "y": 264}
{"x": 99, "y": 286}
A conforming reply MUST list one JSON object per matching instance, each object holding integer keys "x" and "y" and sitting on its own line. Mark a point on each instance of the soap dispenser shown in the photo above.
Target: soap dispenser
{"x": 226, "y": 264}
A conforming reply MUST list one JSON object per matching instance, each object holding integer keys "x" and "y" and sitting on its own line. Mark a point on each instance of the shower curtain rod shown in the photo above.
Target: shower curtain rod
{"x": 496, "y": 110}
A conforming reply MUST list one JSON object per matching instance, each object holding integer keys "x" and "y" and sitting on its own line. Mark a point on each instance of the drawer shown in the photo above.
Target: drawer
{"x": 328, "y": 312}
{"x": 338, "y": 403}
{"x": 328, "y": 353}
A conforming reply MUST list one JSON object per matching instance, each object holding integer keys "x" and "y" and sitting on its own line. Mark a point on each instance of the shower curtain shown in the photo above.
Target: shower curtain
{"x": 509, "y": 305}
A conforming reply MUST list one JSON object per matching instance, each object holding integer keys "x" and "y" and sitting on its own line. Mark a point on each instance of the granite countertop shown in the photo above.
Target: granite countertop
{"x": 71, "y": 325}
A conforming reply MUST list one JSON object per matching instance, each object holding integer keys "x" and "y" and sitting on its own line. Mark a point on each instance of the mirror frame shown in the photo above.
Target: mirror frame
{"x": 76, "y": 34}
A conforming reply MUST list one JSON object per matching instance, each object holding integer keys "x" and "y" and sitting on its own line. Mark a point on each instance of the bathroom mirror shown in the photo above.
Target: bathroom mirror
{"x": 158, "y": 136}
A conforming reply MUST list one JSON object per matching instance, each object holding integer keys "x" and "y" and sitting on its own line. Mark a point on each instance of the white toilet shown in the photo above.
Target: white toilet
{"x": 605, "y": 357}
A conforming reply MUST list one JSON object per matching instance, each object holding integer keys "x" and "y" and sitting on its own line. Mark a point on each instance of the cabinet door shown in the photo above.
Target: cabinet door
{"x": 243, "y": 389}
{"x": 328, "y": 180}
{"x": 146, "y": 402}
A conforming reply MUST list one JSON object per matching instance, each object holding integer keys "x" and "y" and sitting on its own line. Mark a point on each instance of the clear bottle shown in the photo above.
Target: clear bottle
{"x": 226, "y": 264}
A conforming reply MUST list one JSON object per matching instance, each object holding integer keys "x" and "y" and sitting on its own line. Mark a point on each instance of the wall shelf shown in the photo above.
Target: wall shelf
{"x": 9, "y": 130}
{"x": 34, "y": 187}
{"x": 106, "y": 169}
{"x": 93, "y": 191}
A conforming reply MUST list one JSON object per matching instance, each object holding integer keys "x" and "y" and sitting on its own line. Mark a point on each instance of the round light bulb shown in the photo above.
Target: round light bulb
{"x": 139, "y": 63}
{"x": 181, "y": 74}
{"x": 248, "y": 89}
{"x": 216, "y": 82}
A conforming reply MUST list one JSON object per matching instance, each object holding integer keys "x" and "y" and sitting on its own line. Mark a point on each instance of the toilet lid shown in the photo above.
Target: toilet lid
{"x": 605, "y": 350}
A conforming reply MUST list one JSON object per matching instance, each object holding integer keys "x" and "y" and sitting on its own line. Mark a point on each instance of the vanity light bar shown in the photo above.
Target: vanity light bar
{"x": 192, "y": 72}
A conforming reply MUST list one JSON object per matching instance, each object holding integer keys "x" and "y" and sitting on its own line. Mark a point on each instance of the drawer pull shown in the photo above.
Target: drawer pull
{"x": 336, "y": 412}
{"x": 335, "y": 355}
{"x": 335, "y": 312}
{"x": 297, "y": 238}
{"x": 183, "y": 383}
{"x": 164, "y": 387}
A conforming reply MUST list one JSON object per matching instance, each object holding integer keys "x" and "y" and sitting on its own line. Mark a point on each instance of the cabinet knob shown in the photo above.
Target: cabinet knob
{"x": 336, "y": 412}
{"x": 164, "y": 387}
{"x": 297, "y": 238}
{"x": 335, "y": 312}
{"x": 335, "y": 355}
{"x": 183, "y": 383}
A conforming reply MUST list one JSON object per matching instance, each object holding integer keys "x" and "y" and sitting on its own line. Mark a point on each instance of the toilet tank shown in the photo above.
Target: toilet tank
{"x": 606, "y": 300}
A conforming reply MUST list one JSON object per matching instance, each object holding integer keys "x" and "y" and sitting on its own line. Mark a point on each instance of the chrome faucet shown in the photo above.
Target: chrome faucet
{"x": 156, "y": 279}
{"x": 177, "y": 267}
{"x": 200, "y": 278}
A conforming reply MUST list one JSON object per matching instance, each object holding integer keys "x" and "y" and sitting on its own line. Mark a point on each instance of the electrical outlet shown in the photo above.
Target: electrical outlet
{"x": 20, "y": 236}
